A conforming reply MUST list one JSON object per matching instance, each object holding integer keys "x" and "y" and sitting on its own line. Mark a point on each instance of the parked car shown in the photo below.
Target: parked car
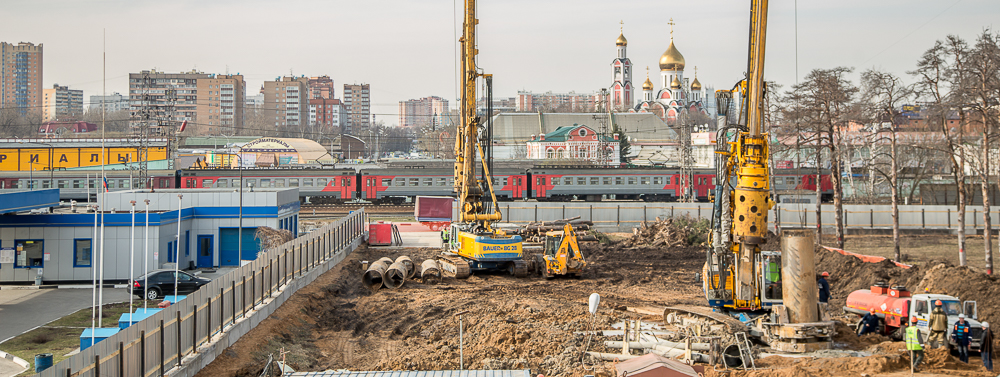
{"x": 161, "y": 282}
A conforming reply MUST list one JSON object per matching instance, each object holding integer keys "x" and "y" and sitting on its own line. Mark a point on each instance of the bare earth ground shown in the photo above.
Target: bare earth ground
{"x": 511, "y": 323}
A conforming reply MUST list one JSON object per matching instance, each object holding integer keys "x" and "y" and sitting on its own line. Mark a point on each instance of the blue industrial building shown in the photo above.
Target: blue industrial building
{"x": 41, "y": 237}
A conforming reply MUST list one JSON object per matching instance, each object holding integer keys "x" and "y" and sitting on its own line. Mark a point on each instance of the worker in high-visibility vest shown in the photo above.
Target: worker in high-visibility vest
{"x": 914, "y": 343}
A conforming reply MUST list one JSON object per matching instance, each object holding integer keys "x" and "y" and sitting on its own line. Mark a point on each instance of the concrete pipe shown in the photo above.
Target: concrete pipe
{"x": 662, "y": 345}
{"x": 411, "y": 269}
{"x": 430, "y": 272}
{"x": 395, "y": 276}
{"x": 375, "y": 275}
{"x": 388, "y": 261}
{"x": 798, "y": 276}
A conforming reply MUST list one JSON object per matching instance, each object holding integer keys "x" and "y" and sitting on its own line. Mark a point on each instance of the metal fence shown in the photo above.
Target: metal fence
{"x": 158, "y": 343}
{"x": 622, "y": 216}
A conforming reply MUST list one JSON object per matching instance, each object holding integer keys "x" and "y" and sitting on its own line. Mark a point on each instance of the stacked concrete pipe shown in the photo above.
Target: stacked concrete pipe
{"x": 430, "y": 272}
{"x": 411, "y": 269}
{"x": 374, "y": 277}
{"x": 395, "y": 276}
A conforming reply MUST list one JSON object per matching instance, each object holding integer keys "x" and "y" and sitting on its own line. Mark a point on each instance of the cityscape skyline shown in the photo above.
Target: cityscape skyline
{"x": 536, "y": 51}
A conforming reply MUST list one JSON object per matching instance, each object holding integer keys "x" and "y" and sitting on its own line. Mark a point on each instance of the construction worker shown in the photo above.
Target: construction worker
{"x": 914, "y": 343}
{"x": 986, "y": 346}
{"x": 824, "y": 287}
{"x": 868, "y": 324}
{"x": 960, "y": 333}
{"x": 938, "y": 325}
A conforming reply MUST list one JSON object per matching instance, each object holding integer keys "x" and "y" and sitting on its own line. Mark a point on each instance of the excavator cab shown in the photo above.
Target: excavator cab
{"x": 562, "y": 254}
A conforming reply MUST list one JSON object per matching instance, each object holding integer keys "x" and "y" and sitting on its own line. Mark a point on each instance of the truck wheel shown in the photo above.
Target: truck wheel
{"x": 898, "y": 334}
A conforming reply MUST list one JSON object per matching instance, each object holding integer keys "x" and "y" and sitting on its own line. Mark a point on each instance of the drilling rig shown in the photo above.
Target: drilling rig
{"x": 742, "y": 281}
{"x": 473, "y": 243}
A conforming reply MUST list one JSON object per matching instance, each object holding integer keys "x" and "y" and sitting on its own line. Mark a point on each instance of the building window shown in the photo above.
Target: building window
{"x": 583, "y": 132}
{"x": 29, "y": 253}
{"x": 82, "y": 252}
{"x": 187, "y": 243}
{"x": 170, "y": 252}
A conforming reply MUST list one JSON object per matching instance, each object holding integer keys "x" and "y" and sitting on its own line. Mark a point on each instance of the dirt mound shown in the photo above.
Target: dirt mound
{"x": 848, "y": 274}
{"x": 846, "y": 338}
{"x": 947, "y": 279}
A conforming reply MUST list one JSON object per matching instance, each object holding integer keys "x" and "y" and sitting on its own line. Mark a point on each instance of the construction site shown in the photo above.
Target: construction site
{"x": 337, "y": 323}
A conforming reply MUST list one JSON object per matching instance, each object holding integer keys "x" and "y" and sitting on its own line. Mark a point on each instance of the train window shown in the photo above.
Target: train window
{"x": 414, "y": 182}
{"x": 567, "y": 180}
{"x": 347, "y": 182}
{"x": 606, "y": 181}
{"x": 251, "y": 182}
{"x": 582, "y": 181}
{"x": 293, "y": 182}
{"x": 540, "y": 181}
{"x": 554, "y": 181}
{"x": 33, "y": 183}
{"x": 279, "y": 182}
{"x": 618, "y": 180}
{"x": 400, "y": 181}
{"x": 77, "y": 183}
{"x": 713, "y": 181}
{"x": 224, "y": 183}
{"x": 442, "y": 182}
{"x": 307, "y": 181}
{"x": 264, "y": 182}
{"x": 644, "y": 180}
{"x": 427, "y": 182}
{"x": 111, "y": 183}
{"x": 595, "y": 181}
{"x": 631, "y": 180}
{"x": 386, "y": 182}
{"x": 124, "y": 183}
{"x": 46, "y": 184}
{"x": 63, "y": 183}
{"x": 206, "y": 183}
{"x": 657, "y": 180}
{"x": 321, "y": 182}
{"x": 236, "y": 182}
{"x": 505, "y": 181}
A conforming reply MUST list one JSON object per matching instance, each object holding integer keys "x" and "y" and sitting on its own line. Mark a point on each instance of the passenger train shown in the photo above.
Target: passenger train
{"x": 398, "y": 185}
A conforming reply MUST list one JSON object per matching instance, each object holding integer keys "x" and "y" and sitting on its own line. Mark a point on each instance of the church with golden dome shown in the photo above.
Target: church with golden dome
{"x": 676, "y": 93}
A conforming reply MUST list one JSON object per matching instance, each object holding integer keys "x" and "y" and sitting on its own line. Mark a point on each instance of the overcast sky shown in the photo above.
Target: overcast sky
{"x": 406, "y": 48}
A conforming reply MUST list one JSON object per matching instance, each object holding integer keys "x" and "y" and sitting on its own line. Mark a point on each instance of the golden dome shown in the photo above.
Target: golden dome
{"x": 648, "y": 85}
{"x": 672, "y": 60}
{"x": 675, "y": 84}
{"x": 696, "y": 85}
{"x": 621, "y": 40}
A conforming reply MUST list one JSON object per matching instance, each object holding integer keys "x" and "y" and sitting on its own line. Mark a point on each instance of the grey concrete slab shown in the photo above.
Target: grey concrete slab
{"x": 9, "y": 368}
{"x": 23, "y": 310}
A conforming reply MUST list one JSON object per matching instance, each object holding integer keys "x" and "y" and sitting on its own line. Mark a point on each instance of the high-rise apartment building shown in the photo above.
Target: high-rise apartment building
{"x": 321, "y": 87}
{"x": 422, "y": 112}
{"x": 358, "y": 106}
{"x": 61, "y": 103}
{"x": 21, "y": 76}
{"x": 112, "y": 102}
{"x": 212, "y": 104}
{"x": 286, "y": 103}
{"x": 325, "y": 115}
{"x": 556, "y": 102}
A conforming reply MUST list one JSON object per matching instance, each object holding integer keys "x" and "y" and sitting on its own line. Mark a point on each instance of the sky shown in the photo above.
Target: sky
{"x": 405, "y": 49}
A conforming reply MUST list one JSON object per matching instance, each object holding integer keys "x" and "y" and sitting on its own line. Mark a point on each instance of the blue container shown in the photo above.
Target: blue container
{"x": 140, "y": 314}
{"x": 99, "y": 335}
{"x": 42, "y": 362}
{"x": 173, "y": 298}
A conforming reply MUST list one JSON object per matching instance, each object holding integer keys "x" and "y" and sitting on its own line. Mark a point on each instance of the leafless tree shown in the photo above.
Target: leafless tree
{"x": 883, "y": 94}
{"x": 938, "y": 72}
{"x": 826, "y": 100}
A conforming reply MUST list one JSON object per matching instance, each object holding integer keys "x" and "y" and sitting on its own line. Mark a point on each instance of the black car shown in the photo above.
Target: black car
{"x": 161, "y": 283}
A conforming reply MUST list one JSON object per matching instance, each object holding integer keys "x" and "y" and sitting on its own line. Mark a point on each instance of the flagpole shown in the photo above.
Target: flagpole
{"x": 177, "y": 249}
{"x": 93, "y": 270}
{"x": 145, "y": 263}
{"x": 131, "y": 261}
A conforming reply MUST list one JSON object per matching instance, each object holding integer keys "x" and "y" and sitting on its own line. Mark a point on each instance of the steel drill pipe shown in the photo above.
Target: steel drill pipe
{"x": 411, "y": 269}
{"x": 395, "y": 276}
{"x": 798, "y": 276}
{"x": 374, "y": 276}
{"x": 430, "y": 272}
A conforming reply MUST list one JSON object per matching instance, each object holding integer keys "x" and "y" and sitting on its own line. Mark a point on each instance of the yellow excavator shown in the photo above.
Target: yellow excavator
{"x": 472, "y": 242}
{"x": 562, "y": 254}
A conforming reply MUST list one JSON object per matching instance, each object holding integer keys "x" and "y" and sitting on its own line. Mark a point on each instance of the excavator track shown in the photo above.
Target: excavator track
{"x": 454, "y": 266}
{"x": 519, "y": 268}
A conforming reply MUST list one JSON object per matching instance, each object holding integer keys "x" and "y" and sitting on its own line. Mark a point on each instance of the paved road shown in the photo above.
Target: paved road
{"x": 23, "y": 310}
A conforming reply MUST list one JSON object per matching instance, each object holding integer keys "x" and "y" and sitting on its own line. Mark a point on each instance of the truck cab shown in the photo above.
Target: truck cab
{"x": 922, "y": 304}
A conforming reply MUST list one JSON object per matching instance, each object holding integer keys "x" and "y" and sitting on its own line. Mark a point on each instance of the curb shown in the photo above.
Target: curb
{"x": 15, "y": 359}
{"x": 37, "y": 287}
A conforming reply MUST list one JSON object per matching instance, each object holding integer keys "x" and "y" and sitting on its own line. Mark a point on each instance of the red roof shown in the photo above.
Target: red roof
{"x": 653, "y": 365}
